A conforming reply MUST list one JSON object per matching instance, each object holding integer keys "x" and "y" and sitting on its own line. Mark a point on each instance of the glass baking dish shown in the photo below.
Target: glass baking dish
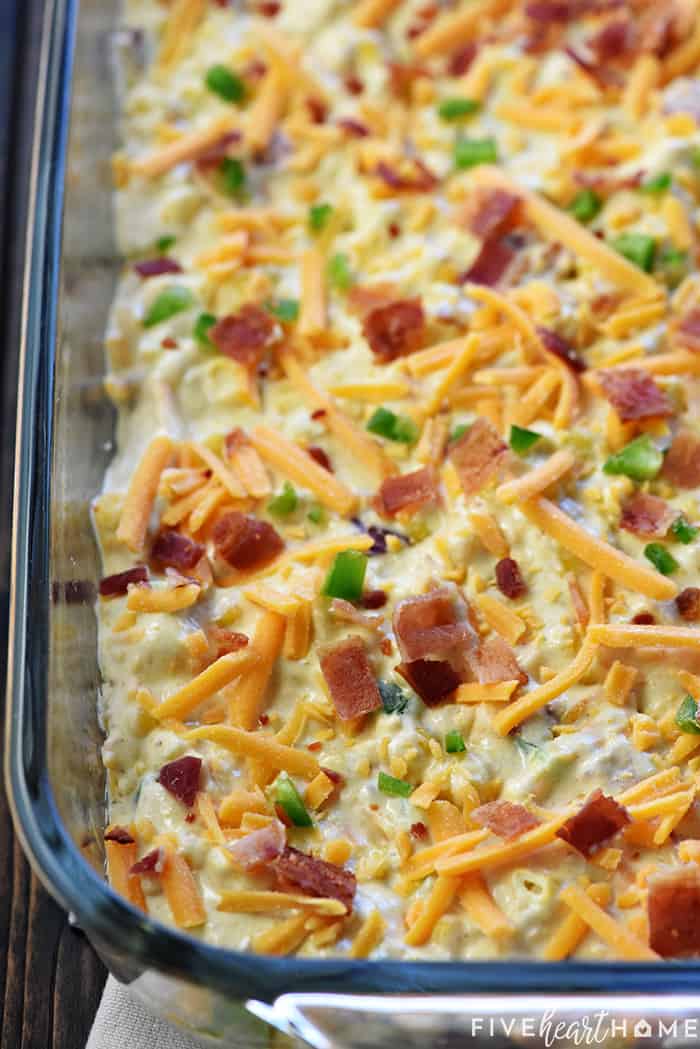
{"x": 54, "y": 772}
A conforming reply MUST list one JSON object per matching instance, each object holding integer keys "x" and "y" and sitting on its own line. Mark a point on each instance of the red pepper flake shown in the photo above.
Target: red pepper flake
{"x": 374, "y": 599}
{"x": 509, "y": 578}
{"x": 320, "y": 456}
{"x": 316, "y": 745}
{"x": 643, "y": 619}
{"x": 419, "y": 831}
{"x": 181, "y": 778}
{"x": 460, "y": 61}
{"x": 353, "y": 84}
{"x": 120, "y": 835}
{"x": 386, "y": 646}
{"x": 264, "y": 719}
{"x": 168, "y": 343}
{"x": 269, "y": 8}
{"x": 319, "y": 413}
{"x": 151, "y": 863}
{"x": 318, "y": 110}
{"x": 394, "y": 230}
{"x": 354, "y": 128}
{"x": 190, "y": 817}
{"x": 118, "y": 584}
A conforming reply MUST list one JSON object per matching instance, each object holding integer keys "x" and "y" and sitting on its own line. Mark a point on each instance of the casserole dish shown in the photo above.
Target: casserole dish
{"x": 55, "y": 775}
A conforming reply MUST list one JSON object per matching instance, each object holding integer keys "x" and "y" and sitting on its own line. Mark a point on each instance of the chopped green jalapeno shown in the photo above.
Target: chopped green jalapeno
{"x": 204, "y": 322}
{"x": 657, "y": 184}
{"x": 289, "y": 800}
{"x": 286, "y": 310}
{"x": 637, "y": 248}
{"x": 285, "y": 503}
{"x": 394, "y": 699}
{"x": 458, "y": 431}
{"x": 640, "y": 460}
{"x": 394, "y": 427}
{"x": 522, "y": 440}
{"x": 683, "y": 531}
{"x": 339, "y": 273}
{"x": 662, "y": 560}
{"x": 585, "y": 205}
{"x": 171, "y": 300}
{"x": 225, "y": 84}
{"x": 687, "y": 716}
{"x": 319, "y": 215}
{"x": 346, "y": 576}
{"x": 397, "y": 788}
{"x": 164, "y": 243}
{"x": 454, "y": 742}
{"x": 456, "y": 108}
{"x": 316, "y": 514}
{"x": 233, "y": 174}
{"x": 472, "y": 151}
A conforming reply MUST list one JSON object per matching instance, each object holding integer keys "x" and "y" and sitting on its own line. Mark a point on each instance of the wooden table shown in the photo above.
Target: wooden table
{"x": 50, "y": 978}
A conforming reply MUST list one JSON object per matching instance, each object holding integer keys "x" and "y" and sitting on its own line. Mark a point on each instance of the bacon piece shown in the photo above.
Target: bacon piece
{"x": 407, "y": 493}
{"x": 175, "y": 550}
{"x": 614, "y": 41}
{"x": 226, "y": 641}
{"x": 491, "y": 212}
{"x": 602, "y": 75}
{"x": 687, "y": 332}
{"x": 634, "y": 394}
{"x": 212, "y": 157}
{"x": 422, "y": 180}
{"x": 243, "y": 336}
{"x": 427, "y": 626}
{"x": 600, "y": 819}
{"x": 477, "y": 455}
{"x": 688, "y": 603}
{"x": 432, "y": 679}
{"x": 419, "y": 831}
{"x": 550, "y": 11}
{"x": 297, "y": 871}
{"x": 121, "y": 835}
{"x": 350, "y": 679}
{"x": 460, "y": 61}
{"x": 558, "y": 346}
{"x": 372, "y": 599}
{"x": 647, "y": 515}
{"x": 354, "y": 128}
{"x": 364, "y": 298}
{"x": 118, "y": 584}
{"x": 260, "y": 847}
{"x": 320, "y": 456}
{"x": 157, "y": 267}
{"x": 181, "y": 778}
{"x": 245, "y": 542}
{"x": 673, "y": 907}
{"x": 395, "y": 330}
{"x": 509, "y": 579}
{"x": 151, "y": 863}
{"x": 682, "y": 462}
{"x": 490, "y": 265}
{"x": 507, "y": 819}
{"x": 496, "y": 662}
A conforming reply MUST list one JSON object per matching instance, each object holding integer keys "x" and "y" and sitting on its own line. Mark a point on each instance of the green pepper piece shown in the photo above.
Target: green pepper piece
{"x": 456, "y": 108}
{"x": 683, "y": 531}
{"x": 171, "y": 300}
{"x": 285, "y": 502}
{"x": 585, "y": 205}
{"x": 661, "y": 558}
{"x": 687, "y": 716}
{"x": 289, "y": 800}
{"x": 454, "y": 742}
{"x": 469, "y": 152}
{"x": 346, "y": 576}
{"x": 397, "y": 788}
{"x": 204, "y": 322}
{"x": 638, "y": 248}
{"x": 640, "y": 460}
{"x": 522, "y": 440}
{"x": 225, "y": 84}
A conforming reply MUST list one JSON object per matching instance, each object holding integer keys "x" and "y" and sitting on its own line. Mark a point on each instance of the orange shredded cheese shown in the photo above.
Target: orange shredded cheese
{"x": 141, "y": 496}
{"x": 537, "y": 480}
{"x": 528, "y": 704}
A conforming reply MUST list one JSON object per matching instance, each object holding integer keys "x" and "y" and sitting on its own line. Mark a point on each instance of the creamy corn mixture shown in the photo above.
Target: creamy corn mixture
{"x": 360, "y": 229}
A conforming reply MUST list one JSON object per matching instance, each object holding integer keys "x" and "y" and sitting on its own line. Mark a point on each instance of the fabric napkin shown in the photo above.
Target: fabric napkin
{"x": 122, "y": 1022}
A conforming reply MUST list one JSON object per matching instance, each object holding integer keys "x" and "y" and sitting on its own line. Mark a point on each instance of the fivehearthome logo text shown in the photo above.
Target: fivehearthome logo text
{"x": 602, "y": 1027}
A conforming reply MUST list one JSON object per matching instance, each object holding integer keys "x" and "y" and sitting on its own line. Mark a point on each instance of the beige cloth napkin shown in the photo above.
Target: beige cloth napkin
{"x": 122, "y": 1022}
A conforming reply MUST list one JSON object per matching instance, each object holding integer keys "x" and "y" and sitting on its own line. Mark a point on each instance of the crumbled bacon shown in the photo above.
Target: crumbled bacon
{"x": 260, "y": 847}
{"x": 682, "y": 462}
{"x": 157, "y": 267}
{"x": 151, "y": 863}
{"x": 634, "y": 394}
{"x": 395, "y": 330}
{"x": 643, "y": 619}
{"x": 181, "y": 778}
{"x": 495, "y": 661}
{"x": 509, "y": 579}
{"x": 549, "y": 10}
{"x": 243, "y": 336}
{"x": 350, "y": 679}
{"x": 647, "y": 515}
{"x": 212, "y": 156}
{"x": 561, "y": 348}
{"x": 407, "y": 492}
{"x": 354, "y": 128}
{"x": 490, "y": 265}
{"x": 121, "y": 835}
{"x": 374, "y": 599}
{"x": 297, "y": 871}
{"x": 318, "y": 110}
{"x": 687, "y": 332}
{"x": 477, "y": 455}
{"x": 420, "y": 179}
{"x": 246, "y": 542}
{"x": 320, "y": 456}
{"x": 673, "y": 907}
{"x": 507, "y": 819}
{"x": 364, "y": 298}
{"x": 491, "y": 212}
{"x": 353, "y": 84}
{"x": 176, "y": 550}
{"x": 419, "y": 831}
{"x": 600, "y": 818}
{"x": 118, "y": 584}
{"x": 459, "y": 62}
{"x": 614, "y": 41}
{"x": 688, "y": 603}
{"x": 432, "y": 679}
{"x": 427, "y": 627}
{"x": 226, "y": 641}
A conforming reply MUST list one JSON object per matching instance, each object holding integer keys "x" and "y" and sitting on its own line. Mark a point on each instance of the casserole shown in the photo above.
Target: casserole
{"x": 54, "y": 772}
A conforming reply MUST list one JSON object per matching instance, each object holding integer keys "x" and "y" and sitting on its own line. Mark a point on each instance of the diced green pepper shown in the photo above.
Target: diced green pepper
{"x": 339, "y": 273}
{"x": 225, "y": 84}
{"x": 694, "y": 156}
{"x": 285, "y": 310}
{"x": 456, "y": 108}
{"x": 454, "y": 742}
{"x": 683, "y": 531}
{"x": 657, "y": 183}
{"x": 171, "y": 300}
{"x": 638, "y": 248}
{"x": 661, "y": 558}
{"x": 204, "y": 322}
{"x": 640, "y": 460}
{"x": 397, "y": 788}
{"x": 316, "y": 514}
{"x": 394, "y": 427}
{"x": 687, "y": 716}
{"x": 319, "y": 215}
{"x": 585, "y": 205}
{"x": 459, "y": 431}
{"x": 472, "y": 151}
{"x": 164, "y": 243}
{"x": 673, "y": 264}
{"x": 394, "y": 699}
{"x": 285, "y": 502}
{"x": 522, "y": 440}
{"x": 233, "y": 176}
{"x": 346, "y": 576}
{"x": 289, "y": 800}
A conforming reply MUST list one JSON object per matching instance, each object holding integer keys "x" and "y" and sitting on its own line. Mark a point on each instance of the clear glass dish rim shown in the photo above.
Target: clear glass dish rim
{"x": 105, "y": 917}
